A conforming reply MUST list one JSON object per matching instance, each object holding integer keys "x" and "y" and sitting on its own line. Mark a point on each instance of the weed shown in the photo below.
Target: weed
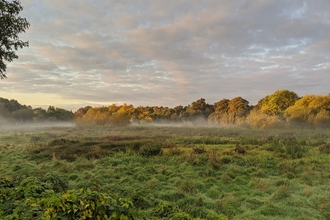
{"x": 239, "y": 149}
{"x": 152, "y": 149}
{"x": 199, "y": 150}
{"x": 214, "y": 161}
{"x": 192, "y": 158}
{"x": 325, "y": 149}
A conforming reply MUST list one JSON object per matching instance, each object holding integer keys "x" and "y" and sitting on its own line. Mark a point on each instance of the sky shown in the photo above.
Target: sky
{"x": 168, "y": 53}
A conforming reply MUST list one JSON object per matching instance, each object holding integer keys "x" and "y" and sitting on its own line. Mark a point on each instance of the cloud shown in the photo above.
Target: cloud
{"x": 168, "y": 53}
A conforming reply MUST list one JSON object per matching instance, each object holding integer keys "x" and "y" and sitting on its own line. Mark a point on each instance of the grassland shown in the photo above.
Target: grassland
{"x": 183, "y": 172}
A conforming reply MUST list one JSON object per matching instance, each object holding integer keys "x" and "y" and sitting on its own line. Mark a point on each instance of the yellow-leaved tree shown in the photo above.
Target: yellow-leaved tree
{"x": 269, "y": 112}
{"x": 312, "y": 110}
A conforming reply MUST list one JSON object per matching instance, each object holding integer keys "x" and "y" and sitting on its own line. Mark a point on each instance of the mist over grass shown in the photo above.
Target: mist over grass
{"x": 13, "y": 125}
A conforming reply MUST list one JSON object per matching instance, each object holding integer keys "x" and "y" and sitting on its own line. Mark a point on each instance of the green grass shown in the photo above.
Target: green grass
{"x": 183, "y": 173}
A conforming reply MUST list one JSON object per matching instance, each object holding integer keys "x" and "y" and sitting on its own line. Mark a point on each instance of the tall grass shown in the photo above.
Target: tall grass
{"x": 183, "y": 173}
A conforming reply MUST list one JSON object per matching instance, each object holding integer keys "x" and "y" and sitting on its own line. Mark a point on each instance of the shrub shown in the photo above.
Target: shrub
{"x": 32, "y": 198}
{"x": 289, "y": 146}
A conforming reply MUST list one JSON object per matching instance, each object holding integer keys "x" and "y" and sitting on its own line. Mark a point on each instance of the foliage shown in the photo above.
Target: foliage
{"x": 12, "y": 109}
{"x": 31, "y": 198}
{"x": 278, "y": 102}
{"x": 11, "y": 105}
{"x": 11, "y": 24}
{"x": 310, "y": 109}
{"x": 23, "y": 114}
{"x": 258, "y": 119}
{"x": 199, "y": 108}
{"x": 230, "y": 112}
{"x": 59, "y": 114}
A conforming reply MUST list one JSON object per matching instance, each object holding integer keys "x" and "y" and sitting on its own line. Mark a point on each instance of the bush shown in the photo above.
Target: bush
{"x": 32, "y": 198}
{"x": 289, "y": 146}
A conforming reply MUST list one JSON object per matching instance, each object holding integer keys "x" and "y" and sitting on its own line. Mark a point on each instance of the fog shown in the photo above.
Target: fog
{"x": 198, "y": 122}
{"x": 7, "y": 125}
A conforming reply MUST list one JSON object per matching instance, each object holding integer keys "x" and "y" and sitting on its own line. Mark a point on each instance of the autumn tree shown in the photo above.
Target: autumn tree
{"x": 144, "y": 114}
{"x": 259, "y": 119}
{"x": 269, "y": 112}
{"x": 238, "y": 108}
{"x": 278, "y": 102}
{"x": 230, "y": 111}
{"x": 99, "y": 115}
{"x": 123, "y": 115}
{"x": 199, "y": 108}
{"x": 177, "y": 111}
{"x": 220, "y": 114}
{"x": 311, "y": 109}
{"x": 81, "y": 112}
{"x": 11, "y": 24}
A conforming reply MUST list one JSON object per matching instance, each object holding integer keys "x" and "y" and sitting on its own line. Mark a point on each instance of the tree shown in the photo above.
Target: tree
{"x": 39, "y": 114}
{"x": 313, "y": 109}
{"x": 238, "y": 108}
{"x": 277, "y": 103}
{"x": 11, "y": 24}
{"x": 23, "y": 114}
{"x": 199, "y": 108}
{"x": 230, "y": 111}
{"x": 4, "y": 111}
{"x": 81, "y": 112}
{"x": 11, "y": 105}
{"x": 220, "y": 114}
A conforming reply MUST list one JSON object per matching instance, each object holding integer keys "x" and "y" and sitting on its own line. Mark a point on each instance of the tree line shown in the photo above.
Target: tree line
{"x": 13, "y": 111}
{"x": 281, "y": 109}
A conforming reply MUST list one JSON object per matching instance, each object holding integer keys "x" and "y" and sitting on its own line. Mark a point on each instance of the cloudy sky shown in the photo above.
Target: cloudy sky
{"x": 169, "y": 53}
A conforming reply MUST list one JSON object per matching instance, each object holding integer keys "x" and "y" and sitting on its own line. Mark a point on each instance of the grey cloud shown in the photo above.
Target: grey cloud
{"x": 147, "y": 52}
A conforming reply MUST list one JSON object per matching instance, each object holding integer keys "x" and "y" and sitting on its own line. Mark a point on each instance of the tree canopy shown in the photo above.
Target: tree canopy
{"x": 276, "y": 103}
{"x": 11, "y": 24}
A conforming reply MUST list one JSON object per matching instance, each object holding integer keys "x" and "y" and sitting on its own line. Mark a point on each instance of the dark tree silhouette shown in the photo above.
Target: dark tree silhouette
{"x": 11, "y": 24}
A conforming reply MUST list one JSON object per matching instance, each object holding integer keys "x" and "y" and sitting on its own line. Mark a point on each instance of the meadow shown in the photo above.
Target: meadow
{"x": 163, "y": 172}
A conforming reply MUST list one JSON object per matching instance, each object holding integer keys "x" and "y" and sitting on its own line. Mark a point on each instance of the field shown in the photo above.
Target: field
{"x": 171, "y": 172}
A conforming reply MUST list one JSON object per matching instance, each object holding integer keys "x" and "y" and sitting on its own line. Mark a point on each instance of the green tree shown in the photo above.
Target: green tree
{"x": 11, "y": 24}
{"x": 4, "y": 112}
{"x": 39, "y": 114}
{"x": 23, "y": 114}
{"x": 12, "y": 105}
